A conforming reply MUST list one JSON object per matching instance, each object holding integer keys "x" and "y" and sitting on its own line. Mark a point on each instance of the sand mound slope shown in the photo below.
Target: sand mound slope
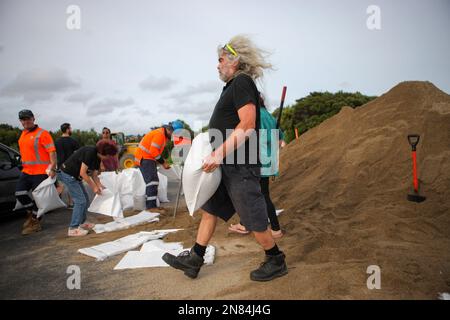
{"x": 344, "y": 186}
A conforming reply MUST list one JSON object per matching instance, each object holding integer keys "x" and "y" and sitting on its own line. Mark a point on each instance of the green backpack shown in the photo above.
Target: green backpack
{"x": 269, "y": 137}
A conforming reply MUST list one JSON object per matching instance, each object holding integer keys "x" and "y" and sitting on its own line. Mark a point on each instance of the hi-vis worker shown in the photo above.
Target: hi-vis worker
{"x": 149, "y": 152}
{"x": 39, "y": 160}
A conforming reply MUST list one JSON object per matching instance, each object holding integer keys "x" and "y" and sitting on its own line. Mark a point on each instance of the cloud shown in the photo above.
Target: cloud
{"x": 202, "y": 110}
{"x": 201, "y": 88}
{"x": 2, "y": 47}
{"x": 157, "y": 84}
{"x": 344, "y": 85}
{"x": 80, "y": 97}
{"x": 40, "y": 84}
{"x": 107, "y": 106}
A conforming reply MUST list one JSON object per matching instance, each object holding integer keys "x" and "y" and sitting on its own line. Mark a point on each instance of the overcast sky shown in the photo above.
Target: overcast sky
{"x": 140, "y": 63}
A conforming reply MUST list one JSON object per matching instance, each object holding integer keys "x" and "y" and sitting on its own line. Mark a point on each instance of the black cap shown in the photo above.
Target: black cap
{"x": 25, "y": 114}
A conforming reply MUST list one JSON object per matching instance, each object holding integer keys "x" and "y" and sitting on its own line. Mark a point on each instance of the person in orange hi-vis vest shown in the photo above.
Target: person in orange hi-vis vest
{"x": 39, "y": 160}
{"x": 148, "y": 153}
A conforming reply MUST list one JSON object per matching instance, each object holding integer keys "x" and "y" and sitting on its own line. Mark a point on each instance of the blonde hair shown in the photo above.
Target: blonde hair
{"x": 252, "y": 60}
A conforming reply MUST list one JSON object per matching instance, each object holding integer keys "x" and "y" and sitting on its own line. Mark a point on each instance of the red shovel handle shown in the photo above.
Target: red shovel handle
{"x": 415, "y": 181}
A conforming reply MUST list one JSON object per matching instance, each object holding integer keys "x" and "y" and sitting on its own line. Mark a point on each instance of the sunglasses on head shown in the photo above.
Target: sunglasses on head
{"x": 230, "y": 49}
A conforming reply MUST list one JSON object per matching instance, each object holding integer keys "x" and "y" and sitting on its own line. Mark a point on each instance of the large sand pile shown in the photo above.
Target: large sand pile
{"x": 344, "y": 186}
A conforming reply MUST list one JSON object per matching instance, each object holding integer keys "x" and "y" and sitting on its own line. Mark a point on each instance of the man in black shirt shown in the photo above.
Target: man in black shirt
{"x": 233, "y": 129}
{"x": 65, "y": 145}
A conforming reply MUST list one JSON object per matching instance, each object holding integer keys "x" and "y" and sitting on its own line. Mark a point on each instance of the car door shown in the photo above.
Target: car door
{"x": 9, "y": 175}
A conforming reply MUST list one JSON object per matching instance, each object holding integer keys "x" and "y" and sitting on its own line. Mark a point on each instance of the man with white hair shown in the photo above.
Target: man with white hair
{"x": 236, "y": 118}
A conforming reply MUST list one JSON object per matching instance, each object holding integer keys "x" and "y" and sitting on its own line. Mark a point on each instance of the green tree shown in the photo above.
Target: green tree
{"x": 313, "y": 109}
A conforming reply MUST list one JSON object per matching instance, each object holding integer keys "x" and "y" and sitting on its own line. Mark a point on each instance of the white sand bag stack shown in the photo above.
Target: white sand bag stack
{"x": 198, "y": 185}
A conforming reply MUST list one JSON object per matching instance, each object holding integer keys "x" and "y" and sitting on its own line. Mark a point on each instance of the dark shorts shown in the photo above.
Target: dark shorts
{"x": 240, "y": 192}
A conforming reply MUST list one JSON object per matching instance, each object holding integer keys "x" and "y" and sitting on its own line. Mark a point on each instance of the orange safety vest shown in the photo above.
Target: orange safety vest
{"x": 151, "y": 146}
{"x": 35, "y": 147}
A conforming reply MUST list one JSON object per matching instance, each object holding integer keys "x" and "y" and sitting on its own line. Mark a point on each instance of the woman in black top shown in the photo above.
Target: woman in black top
{"x": 73, "y": 171}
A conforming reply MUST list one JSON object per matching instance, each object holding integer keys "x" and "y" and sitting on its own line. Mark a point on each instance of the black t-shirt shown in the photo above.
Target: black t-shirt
{"x": 65, "y": 146}
{"x": 237, "y": 93}
{"x": 86, "y": 155}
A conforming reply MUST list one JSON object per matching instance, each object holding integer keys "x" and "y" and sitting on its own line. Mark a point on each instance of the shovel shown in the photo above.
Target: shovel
{"x": 413, "y": 140}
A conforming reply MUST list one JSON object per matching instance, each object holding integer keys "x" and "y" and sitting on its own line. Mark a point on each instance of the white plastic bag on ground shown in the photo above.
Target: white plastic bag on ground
{"x": 124, "y": 244}
{"x": 151, "y": 253}
{"x": 198, "y": 185}
{"x": 46, "y": 197}
{"x": 128, "y": 222}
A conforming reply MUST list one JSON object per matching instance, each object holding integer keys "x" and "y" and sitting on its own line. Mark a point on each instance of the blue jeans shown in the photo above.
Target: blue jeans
{"x": 79, "y": 196}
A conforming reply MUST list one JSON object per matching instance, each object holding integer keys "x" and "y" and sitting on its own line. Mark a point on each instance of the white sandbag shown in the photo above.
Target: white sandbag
{"x": 157, "y": 245}
{"x": 127, "y": 202}
{"x": 47, "y": 197}
{"x": 150, "y": 255}
{"x": 138, "y": 183}
{"x": 112, "y": 248}
{"x": 173, "y": 174}
{"x": 128, "y": 222}
{"x": 139, "y": 202}
{"x": 107, "y": 203}
{"x": 198, "y": 185}
{"x": 125, "y": 181}
{"x": 444, "y": 296}
{"x": 162, "y": 188}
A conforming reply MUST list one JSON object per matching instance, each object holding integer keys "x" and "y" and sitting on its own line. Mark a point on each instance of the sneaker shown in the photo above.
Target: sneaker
{"x": 87, "y": 226}
{"x": 33, "y": 226}
{"x": 187, "y": 261}
{"x": 77, "y": 232}
{"x": 271, "y": 268}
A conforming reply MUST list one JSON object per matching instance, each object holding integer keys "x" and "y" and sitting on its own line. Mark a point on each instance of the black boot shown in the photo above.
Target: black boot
{"x": 271, "y": 268}
{"x": 187, "y": 261}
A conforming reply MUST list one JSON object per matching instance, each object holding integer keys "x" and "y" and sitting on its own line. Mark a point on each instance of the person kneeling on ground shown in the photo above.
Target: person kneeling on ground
{"x": 73, "y": 171}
